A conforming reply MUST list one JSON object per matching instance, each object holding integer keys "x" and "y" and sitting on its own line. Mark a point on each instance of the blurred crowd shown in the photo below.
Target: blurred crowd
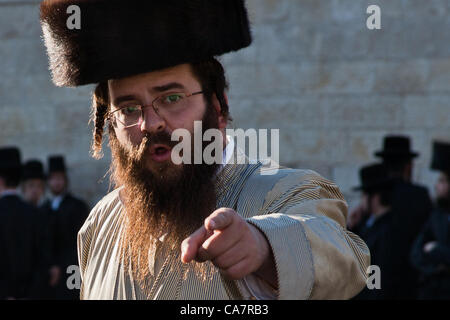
{"x": 39, "y": 222}
{"x": 407, "y": 233}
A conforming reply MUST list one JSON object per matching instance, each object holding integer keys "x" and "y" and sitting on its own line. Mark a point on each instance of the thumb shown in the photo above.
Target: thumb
{"x": 190, "y": 245}
{"x": 220, "y": 219}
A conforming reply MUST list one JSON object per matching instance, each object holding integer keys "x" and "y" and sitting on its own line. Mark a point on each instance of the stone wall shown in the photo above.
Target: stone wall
{"x": 314, "y": 71}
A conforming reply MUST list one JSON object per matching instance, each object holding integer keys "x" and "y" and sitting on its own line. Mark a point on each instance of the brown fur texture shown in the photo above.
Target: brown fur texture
{"x": 120, "y": 38}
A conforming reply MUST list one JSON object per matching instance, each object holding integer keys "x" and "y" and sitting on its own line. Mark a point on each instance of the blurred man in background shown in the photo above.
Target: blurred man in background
{"x": 66, "y": 216}
{"x": 19, "y": 255}
{"x": 431, "y": 250}
{"x": 412, "y": 201}
{"x": 411, "y": 204}
{"x": 33, "y": 182}
{"x": 380, "y": 233}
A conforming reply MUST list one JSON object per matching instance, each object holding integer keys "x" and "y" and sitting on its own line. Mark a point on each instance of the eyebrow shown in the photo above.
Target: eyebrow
{"x": 169, "y": 86}
{"x": 121, "y": 99}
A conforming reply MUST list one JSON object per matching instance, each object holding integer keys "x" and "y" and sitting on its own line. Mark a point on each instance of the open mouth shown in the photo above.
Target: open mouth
{"x": 160, "y": 152}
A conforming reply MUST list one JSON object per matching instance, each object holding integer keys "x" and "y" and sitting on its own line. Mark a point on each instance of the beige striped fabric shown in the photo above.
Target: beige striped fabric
{"x": 302, "y": 215}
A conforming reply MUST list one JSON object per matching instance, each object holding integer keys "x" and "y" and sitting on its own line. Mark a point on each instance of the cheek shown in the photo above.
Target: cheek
{"x": 442, "y": 188}
{"x": 186, "y": 119}
{"x": 445, "y": 188}
{"x": 128, "y": 138}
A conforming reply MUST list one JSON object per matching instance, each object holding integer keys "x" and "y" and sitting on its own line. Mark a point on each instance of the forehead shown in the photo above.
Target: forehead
{"x": 56, "y": 174}
{"x": 33, "y": 182}
{"x": 137, "y": 84}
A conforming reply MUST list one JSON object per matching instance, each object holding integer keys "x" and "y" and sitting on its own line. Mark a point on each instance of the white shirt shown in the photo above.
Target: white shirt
{"x": 9, "y": 192}
{"x": 56, "y": 201}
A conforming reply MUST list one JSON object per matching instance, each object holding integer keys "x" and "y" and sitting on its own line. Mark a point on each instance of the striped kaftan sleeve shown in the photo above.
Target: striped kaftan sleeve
{"x": 303, "y": 216}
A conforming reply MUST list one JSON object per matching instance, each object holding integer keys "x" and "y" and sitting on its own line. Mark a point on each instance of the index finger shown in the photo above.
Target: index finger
{"x": 190, "y": 245}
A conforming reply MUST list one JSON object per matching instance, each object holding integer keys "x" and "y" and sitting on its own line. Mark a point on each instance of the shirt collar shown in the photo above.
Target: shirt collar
{"x": 9, "y": 192}
{"x": 227, "y": 152}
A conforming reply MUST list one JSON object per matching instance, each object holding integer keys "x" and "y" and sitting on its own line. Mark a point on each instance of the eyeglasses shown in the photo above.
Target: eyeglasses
{"x": 165, "y": 106}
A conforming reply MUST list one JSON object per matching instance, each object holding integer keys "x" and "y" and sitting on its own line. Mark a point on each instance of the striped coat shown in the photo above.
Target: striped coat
{"x": 302, "y": 215}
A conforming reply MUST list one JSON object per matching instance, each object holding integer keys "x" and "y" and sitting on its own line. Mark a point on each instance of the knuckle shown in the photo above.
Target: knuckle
{"x": 219, "y": 262}
{"x": 225, "y": 212}
{"x": 189, "y": 241}
{"x": 236, "y": 272}
{"x": 208, "y": 245}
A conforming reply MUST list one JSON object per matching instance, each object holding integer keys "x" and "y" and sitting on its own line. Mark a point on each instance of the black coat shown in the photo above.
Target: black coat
{"x": 410, "y": 209}
{"x": 412, "y": 206}
{"x": 381, "y": 238}
{"x": 20, "y": 251}
{"x": 434, "y": 266}
{"x": 63, "y": 226}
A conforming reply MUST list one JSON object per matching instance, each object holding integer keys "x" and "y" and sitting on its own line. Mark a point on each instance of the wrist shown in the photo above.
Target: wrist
{"x": 267, "y": 269}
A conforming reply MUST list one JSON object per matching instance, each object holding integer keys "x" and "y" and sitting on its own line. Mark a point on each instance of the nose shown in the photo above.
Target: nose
{"x": 152, "y": 122}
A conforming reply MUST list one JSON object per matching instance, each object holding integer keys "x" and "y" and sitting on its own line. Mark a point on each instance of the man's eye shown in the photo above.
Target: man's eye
{"x": 129, "y": 110}
{"x": 172, "y": 98}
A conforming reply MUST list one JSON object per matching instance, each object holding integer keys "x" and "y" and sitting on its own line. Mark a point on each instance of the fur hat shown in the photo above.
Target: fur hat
{"x": 119, "y": 38}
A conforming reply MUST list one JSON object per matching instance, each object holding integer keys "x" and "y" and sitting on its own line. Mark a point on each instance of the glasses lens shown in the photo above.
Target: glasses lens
{"x": 170, "y": 103}
{"x": 129, "y": 115}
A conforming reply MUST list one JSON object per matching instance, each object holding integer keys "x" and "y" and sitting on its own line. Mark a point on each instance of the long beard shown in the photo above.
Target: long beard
{"x": 170, "y": 201}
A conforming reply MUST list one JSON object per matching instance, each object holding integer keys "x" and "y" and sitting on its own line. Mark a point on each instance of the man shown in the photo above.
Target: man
{"x": 33, "y": 182}
{"x": 66, "y": 214}
{"x": 379, "y": 232}
{"x": 18, "y": 238}
{"x": 191, "y": 231}
{"x": 33, "y": 191}
{"x": 410, "y": 203}
{"x": 431, "y": 250}
{"x": 410, "y": 200}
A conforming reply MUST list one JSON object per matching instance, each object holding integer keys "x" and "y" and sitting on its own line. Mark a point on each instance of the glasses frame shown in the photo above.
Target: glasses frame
{"x": 152, "y": 104}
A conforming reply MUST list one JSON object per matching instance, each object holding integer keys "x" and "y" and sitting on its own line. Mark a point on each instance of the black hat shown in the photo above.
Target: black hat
{"x": 374, "y": 177}
{"x": 119, "y": 38}
{"x": 396, "y": 147}
{"x": 56, "y": 164}
{"x": 441, "y": 157}
{"x": 33, "y": 169}
{"x": 10, "y": 158}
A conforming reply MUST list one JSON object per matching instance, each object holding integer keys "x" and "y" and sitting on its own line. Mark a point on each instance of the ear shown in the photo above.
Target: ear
{"x": 221, "y": 119}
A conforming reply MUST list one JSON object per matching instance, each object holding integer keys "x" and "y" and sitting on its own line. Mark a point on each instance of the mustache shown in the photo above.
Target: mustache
{"x": 150, "y": 139}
